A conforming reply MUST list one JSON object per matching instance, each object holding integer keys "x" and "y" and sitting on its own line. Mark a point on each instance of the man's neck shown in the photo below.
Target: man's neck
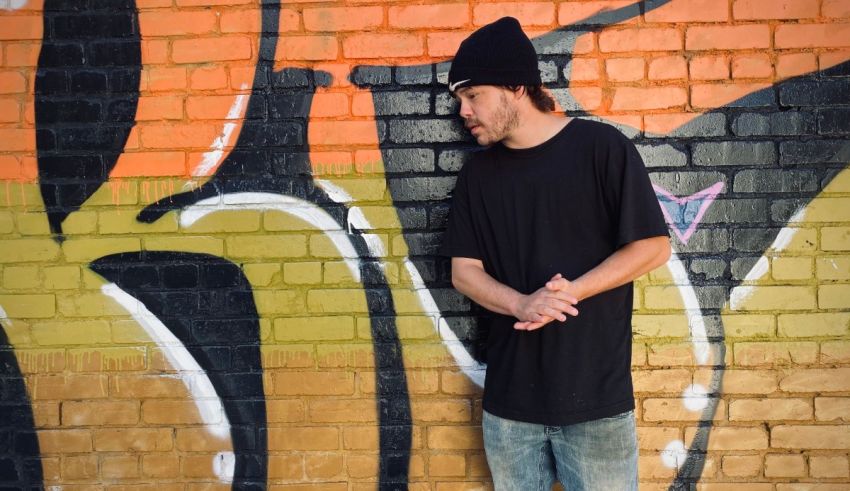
{"x": 535, "y": 127}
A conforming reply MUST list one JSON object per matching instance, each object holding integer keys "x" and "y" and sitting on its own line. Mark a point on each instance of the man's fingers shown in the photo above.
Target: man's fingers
{"x": 555, "y": 314}
{"x": 562, "y": 295}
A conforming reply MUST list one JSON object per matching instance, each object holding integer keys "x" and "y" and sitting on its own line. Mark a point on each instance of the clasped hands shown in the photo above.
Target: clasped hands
{"x": 554, "y": 300}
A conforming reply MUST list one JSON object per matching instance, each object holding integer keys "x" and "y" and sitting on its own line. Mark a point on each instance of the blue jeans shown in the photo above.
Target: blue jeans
{"x": 598, "y": 455}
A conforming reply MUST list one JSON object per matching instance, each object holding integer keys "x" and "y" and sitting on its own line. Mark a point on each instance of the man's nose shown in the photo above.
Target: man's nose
{"x": 465, "y": 111}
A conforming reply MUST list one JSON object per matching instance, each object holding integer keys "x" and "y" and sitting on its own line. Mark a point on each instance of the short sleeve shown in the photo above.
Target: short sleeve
{"x": 459, "y": 239}
{"x": 631, "y": 195}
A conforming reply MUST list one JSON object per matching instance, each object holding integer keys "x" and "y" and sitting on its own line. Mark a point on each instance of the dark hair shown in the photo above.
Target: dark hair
{"x": 539, "y": 97}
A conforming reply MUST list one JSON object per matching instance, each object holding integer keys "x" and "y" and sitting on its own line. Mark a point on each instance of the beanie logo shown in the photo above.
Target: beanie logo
{"x": 453, "y": 86}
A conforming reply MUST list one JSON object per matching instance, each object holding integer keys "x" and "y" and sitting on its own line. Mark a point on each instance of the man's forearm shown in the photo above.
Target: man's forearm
{"x": 484, "y": 290}
{"x": 470, "y": 278}
{"x": 625, "y": 265}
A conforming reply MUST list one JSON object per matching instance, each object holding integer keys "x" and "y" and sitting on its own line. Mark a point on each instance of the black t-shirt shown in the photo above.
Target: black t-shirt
{"x": 560, "y": 207}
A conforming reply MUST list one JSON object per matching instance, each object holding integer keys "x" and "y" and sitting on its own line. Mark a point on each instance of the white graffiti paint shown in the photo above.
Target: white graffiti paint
{"x": 472, "y": 369}
{"x": 4, "y": 317}
{"x": 299, "y": 208}
{"x": 740, "y": 294}
{"x": 696, "y": 324}
{"x": 12, "y": 4}
{"x": 224, "y": 466}
{"x": 211, "y": 159}
{"x": 695, "y": 397}
{"x": 674, "y": 454}
{"x": 194, "y": 378}
{"x": 335, "y": 192}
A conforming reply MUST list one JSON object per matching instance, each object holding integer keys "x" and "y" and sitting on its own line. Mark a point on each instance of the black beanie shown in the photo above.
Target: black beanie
{"x": 496, "y": 54}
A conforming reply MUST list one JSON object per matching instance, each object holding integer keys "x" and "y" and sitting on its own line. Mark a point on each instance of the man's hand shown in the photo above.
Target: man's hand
{"x": 551, "y": 302}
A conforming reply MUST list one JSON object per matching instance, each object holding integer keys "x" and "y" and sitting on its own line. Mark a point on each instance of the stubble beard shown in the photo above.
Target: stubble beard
{"x": 505, "y": 120}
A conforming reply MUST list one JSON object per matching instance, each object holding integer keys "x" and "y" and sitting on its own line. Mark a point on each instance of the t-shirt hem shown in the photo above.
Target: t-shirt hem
{"x": 561, "y": 419}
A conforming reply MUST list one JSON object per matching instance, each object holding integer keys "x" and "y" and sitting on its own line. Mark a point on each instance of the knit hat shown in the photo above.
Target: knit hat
{"x": 496, "y": 54}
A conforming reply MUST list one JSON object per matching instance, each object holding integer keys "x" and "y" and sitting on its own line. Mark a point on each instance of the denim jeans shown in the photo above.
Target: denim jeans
{"x": 598, "y": 455}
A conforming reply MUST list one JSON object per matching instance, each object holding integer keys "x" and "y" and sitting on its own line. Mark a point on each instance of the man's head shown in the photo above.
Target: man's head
{"x": 494, "y": 76}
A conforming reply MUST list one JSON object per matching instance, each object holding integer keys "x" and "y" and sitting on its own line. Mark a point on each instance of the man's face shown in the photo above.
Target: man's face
{"x": 488, "y": 112}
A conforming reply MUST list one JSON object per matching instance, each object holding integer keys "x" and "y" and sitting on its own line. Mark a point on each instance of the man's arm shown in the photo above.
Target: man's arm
{"x": 470, "y": 278}
{"x": 624, "y": 265}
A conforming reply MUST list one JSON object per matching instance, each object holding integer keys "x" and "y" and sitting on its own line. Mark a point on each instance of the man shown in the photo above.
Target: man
{"x": 556, "y": 217}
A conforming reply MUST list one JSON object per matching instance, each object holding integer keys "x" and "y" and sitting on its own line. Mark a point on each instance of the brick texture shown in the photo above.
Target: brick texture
{"x": 220, "y": 224}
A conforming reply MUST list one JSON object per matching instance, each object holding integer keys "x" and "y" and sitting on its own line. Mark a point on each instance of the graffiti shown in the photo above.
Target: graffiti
{"x": 733, "y": 183}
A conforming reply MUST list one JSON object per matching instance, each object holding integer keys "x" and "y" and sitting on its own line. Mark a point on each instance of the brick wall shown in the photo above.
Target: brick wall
{"x": 219, "y": 222}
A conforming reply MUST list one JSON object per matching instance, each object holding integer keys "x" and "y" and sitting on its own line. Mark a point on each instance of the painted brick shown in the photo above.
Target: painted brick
{"x": 595, "y": 12}
{"x": 835, "y": 238}
{"x": 433, "y": 16}
{"x": 342, "y": 133}
{"x": 835, "y": 9}
{"x": 528, "y": 13}
{"x": 668, "y": 68}
{"x": 780, "y": 298}
{"x": 835, "y": 352}
{"x": 12, "y": 82}
{"x": 814, "y": 324}
{"x": 731, "y": 94}
{"x": 80, "y": 467}
{"x": 342, "y": 411}
{"x": 692, "y": 11}
{"x": 160, "y": 23}
{"x": 795, "y": 64}
{"x": 773, "y": 353}
{"x": 455, "y": 438}
{"x": 778, "y": 465}
{"x": 640, "y": 39}
{"x": 624, "y": 69}
{"x": 770, "y": 409}
{"x": 247, "y": 20}
{"x": 742, "y": 465}
{"x": 120, "y": 467}
{"x": 323, "y": 466}
{"x": 71, "y": 386}
{"x": 383, "y": 45}
{"x": 199, "y": 50}
{"x": 828, "y": 466}
{"x": 832, "y": 408}
{"x": 833, "y": 268}
{"x": 658, "y": 410}
{"x": 812, "y": 35}
{"x": 633, "y": 98}
{"x": 322, "y": 328}
{"x": 812, "y": 437}
{"x": 752, "y": 66}
{"x": 733, "y": 438}
{"x": 781, "y": 9}
{"x": 816, "y": 380}
{"x": 445, "y": 465}
{"x": 791, "y": 268}
{"x": 834, "y": 296}
{"x": 445, "y": 43}
{"x": 207, "y": 78}
{"x": 65, "y": 440}
{"x": 312, "y": 48}
{"x": 727, "y": 37}
{"x": 306, "y": 438}
{"x": 133, "y": 439}
{"x": 709, "y": 68}
{"x": 342, "y": 18}
{"x": 102, "y": 413}
{"x": 784, "y": 123}
{"x": 441, "y": 410}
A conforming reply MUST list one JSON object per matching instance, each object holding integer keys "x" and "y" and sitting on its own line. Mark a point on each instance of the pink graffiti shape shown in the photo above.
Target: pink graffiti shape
{"x": 706, "y": 196}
